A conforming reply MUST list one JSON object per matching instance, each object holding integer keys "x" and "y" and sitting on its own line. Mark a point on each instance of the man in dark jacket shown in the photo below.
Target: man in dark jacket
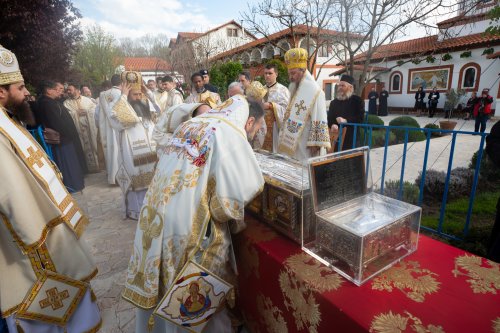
{"x": 345, "y": 108}
{"x": 493, "y": 151}
{"x": 68, "y": 153}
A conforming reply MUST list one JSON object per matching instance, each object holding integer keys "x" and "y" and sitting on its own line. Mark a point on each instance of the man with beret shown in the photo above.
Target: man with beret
{"x": 206, "y": 81}
{"x": 345, "y": 108}
{"x": 46, "y": 268}
{"x": 304, "y": 130}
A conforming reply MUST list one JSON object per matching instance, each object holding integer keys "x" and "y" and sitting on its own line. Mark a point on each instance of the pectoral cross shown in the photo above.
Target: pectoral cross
{"x": 54, "y": 298}
{"x": 35, "y": 157}
{"x": 300, "y": 107}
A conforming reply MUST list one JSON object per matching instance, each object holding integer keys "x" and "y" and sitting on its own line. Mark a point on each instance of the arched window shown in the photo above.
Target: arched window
{"x": 469, "y": 76}
{"x": 396, "y": 82}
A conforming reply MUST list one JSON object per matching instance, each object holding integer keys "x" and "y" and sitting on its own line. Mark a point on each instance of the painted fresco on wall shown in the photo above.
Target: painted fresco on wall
{"x": 430, "y": 77}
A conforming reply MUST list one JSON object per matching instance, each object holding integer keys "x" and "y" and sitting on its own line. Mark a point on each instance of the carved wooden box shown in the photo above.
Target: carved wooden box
{"x": 285, "y": 203}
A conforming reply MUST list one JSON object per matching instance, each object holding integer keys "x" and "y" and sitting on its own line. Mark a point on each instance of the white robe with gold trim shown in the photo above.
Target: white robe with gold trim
{"x": 167, "y": 99}
{"x": 87, "y": 130}
{"x": 109, "y": 136}
{"x": 137, "y": 155}
{"x": 305, "y": 122}
{"x": 41, "y": 253}
{"x": 205, "y": 178}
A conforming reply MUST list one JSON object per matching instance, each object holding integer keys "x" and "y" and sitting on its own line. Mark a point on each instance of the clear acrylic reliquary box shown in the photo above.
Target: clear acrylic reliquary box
{"x": 285, "y": 203}
{"x": 359, "y": 233}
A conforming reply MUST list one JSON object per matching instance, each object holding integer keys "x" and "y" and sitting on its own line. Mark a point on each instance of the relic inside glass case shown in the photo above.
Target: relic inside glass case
{"x": 358, "y": 232}
{"x": 285, "y": 202}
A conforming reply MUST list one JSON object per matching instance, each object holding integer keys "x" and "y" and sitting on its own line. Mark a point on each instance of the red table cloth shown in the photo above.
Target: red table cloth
{"x": 439, "y": 288}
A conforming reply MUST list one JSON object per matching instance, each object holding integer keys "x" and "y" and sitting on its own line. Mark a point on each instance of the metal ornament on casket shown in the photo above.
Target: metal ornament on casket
{"x": 359, "y": 233}
{"x": 285, "y": 202}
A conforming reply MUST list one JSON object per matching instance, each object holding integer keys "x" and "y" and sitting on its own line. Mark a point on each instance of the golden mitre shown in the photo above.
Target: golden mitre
{"x": 296, "y": 58}
{"x": 9, "y": 67}
{"x": 256, "y": 90}
{"x": 132, "y": 78}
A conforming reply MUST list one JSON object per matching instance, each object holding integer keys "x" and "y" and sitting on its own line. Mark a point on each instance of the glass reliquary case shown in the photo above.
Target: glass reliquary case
{"x": 359, "y": 233}
{"x": 285, "y": 202}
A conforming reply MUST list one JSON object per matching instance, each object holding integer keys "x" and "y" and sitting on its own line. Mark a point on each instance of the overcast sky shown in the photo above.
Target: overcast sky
{"x": 134, "y": 18}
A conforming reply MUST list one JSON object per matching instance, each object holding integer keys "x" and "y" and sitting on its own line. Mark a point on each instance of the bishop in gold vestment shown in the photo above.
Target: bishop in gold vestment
{"x": 45, "y": 267}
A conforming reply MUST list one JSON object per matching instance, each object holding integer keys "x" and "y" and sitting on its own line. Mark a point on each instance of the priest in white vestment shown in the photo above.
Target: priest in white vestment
{"x": 199, "y": 94}
{"x": 109, "y": 136}
{"x": 275, "y": 104}
{"x": 171, "y": 119}
{"x": 205, "y": 178}
{"x": 137, "y": 156}
{"x": 45, "y": 267}
{"x": 304, "y": 132}
{"x": 82, "y": 111}
{"x": 170, "y": 96}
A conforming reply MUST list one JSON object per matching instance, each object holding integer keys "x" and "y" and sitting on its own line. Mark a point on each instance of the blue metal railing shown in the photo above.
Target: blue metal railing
{"x": 367, "y": 141}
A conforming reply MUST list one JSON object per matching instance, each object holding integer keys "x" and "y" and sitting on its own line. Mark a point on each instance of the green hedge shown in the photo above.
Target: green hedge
{"x": 407, "y": 121}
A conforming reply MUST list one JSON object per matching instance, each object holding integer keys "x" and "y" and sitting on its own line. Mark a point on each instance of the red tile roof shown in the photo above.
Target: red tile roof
{"x": 428, "y": 45}
{"x": 144, "y": 64}
{"x": 359, "y": 68}
{"x": 462, "y": 19}
{"x": 188, "y": 35}
{"x": 300, "y": 29}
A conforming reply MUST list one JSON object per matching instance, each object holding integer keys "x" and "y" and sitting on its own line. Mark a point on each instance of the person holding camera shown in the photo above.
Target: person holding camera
{"x": 433, "y": 101}
{"x": 482, "y": 110}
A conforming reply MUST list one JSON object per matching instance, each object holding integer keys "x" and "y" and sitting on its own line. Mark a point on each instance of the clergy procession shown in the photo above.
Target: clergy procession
{"x": 186, "y": 169}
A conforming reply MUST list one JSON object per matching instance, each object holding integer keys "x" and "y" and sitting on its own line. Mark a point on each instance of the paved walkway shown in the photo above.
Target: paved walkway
{"x": 110, "y": 237}
{"x": 439, "y": 152}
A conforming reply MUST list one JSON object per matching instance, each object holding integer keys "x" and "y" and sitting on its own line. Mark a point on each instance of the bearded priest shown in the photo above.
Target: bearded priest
{"x": 304, "y": 131}
{"x": 82, "y": 110}
{"x": 46, "y": 269}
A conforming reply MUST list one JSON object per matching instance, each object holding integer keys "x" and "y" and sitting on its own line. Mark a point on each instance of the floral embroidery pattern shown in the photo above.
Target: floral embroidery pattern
{"x": 301, "y": 300}
{"x": 272, "y": 316}
{"x": 319, "y": 132}
{"x": 293, "y": 126}
{"x": 395, "y": 323}
{"x": 482, "y": 279}
{"x": 409, "y": 278}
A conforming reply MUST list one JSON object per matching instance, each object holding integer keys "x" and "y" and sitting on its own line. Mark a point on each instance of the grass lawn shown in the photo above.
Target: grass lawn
{"x": 483, "y": 217}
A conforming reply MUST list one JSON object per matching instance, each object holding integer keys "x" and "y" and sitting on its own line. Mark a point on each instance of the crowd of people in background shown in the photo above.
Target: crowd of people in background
{"x": 477, "y": 108}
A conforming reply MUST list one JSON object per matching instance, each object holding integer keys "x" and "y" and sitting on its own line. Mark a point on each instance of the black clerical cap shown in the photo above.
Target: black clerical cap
{"x": 347, "y": 78}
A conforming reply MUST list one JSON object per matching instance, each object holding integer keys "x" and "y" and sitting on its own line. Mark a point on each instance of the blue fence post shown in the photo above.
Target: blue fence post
{"x": 474, "y": 184}
{"x": 385, "y": 159}
{"x": 403, "y": 163}
{"x": 424, "y": 168}
{"x": 446, "y": 184}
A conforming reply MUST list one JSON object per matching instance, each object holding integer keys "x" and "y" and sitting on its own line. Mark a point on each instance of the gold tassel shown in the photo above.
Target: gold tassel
{"x": 151, "y": 323}
{"x": 18, "y": 327}
{"x": 231, "y": 298}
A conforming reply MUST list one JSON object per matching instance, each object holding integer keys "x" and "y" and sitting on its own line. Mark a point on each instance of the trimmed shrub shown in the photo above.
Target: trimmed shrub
{"x": 410, "y": 191}
{"x": 460, "y": 183}
{"x": 378, "y": 139}
{"x": 404, "y": 121}
{"x": 375, "y": 120}
{"x": 433, "y": 126}
{"x": 407, "y": 121}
